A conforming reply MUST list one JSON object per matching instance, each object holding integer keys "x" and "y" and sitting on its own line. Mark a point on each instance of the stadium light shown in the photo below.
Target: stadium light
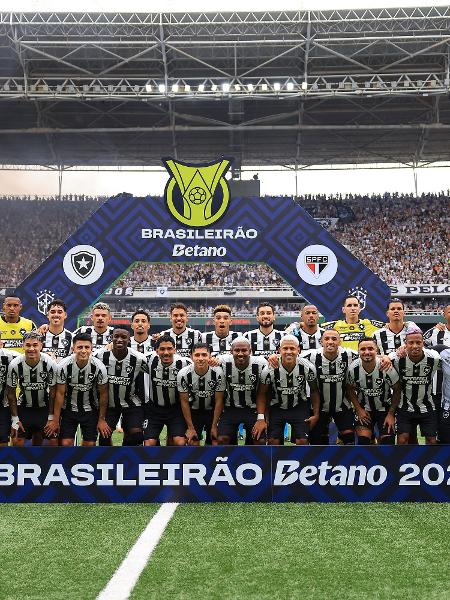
{"x": 148, "y": 88}
{"x": 161, "y": 88}
{"x": 225, "y": 87}
{"x": 237, "y": 87}
{"x": 264, "y": 87}
{"x": 290, "y": 86}
{"x": 214, "y": 87}
{"x": 277, "y": 86}
{"x": 250, "y": 87}
{"x": 201, "y": 87}
{"x": 175, "y": 88}
{"x": 187, "y": 87}
{"x": 304, "y": 85}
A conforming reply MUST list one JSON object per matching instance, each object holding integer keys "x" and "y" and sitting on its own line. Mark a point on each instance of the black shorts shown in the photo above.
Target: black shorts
{"x": 33, "y": 420}
{"x": 86, "y": 420}
{"x": 232, "y": 417}
{"x": 5, "y": 424}
{"x": 155, "y": 417}
{"x": 202, "y": 421}
{"x": 343, "y": 419}
{"x": 376, "y": 418}
{"x": 407, "y": 422}
{"x": 444, "y": 426}
{"x": 132, "y": 417}
{"x": 278, "y": 418}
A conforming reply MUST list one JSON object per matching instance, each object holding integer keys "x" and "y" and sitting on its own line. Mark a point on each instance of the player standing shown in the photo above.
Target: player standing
{"x": 185, "y": 337}
{"x": 100, "y": 330}
{"x": 307, "y": 331}
{"x": 13, "y": 327}
{"x": 56, "y": 340}
{"x": 265, "y": 340}
{"x": 6, "y": 357}
{"x": 219, "y": 340}
{"x": 141, "y": 340}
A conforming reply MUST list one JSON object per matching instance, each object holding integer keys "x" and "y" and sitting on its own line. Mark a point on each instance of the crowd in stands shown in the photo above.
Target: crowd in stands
{"x": 401, "y": 237}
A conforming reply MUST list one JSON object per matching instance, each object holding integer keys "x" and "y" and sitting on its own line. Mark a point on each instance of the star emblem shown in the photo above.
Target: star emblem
{"x": 83, "y": 263}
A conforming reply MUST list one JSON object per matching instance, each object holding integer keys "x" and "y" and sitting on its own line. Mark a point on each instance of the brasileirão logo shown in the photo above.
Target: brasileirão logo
{"x": 197, "y": 195}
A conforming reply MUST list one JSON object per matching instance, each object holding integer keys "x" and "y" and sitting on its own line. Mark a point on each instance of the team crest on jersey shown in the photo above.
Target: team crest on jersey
{"x": 378, "y": 382}
{"x": 426, "y": 370}
{"x": 44, "y": 297}
{"x": 43, "y": 375}
{"x": 21, "y": 331}
{"x": 361, "y": 295}
{"x": 83, "y": 263}
{"x": 175, "y": 372}
{"x": 91, "y": 376}
{"x": 197, "y": 195}
{"x": 252, "y": 378}
{"x": 129, "y": 369}
{"x": 65, "y": 343}
{"x": 212, "y": 384}
{"x": 300, "y": 378}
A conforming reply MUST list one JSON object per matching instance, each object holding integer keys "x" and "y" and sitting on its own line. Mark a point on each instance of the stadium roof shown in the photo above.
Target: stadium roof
{"x": 275, "y": 88}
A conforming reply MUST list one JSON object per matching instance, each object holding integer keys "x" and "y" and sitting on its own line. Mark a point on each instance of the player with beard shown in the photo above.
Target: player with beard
{"x": 33, "y": 375}
{"x": 201, "y": 389}
{"x": 125, "y": 368}
{"x": 351, "y": 329}
{"x": 416, "y": 371}
{"x": 185, "y": 337}
{"x": 293, "y": 387}
{"x": 242, "y": 373}
{"x": 219, "y": 340}
{"x": 392, "y": 336}
{"x": 13, "y": 327}
{"x": 374, "y": 393}
{"x": 141, "y": 340}
{"x": 266, "y": 339}
{"x": 57, "y": 341}
{"x": 307, "y": 332}
{"x": 100, "y": 330}
{"x": 162, "y": 407}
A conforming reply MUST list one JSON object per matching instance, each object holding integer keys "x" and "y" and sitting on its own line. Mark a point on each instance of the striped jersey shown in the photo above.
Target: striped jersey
{"x": 81, "y": 383}
{"x": 12, "y": 334}
{"x": 445, "y": 403}
{"x": 388, "y": 341}
{"x": 33, "y": 382}
{"x": 6, "y": 357}
{"x": 145, "y": 347}
{"x": 241, "y": 385}
{"x": 201, "y": 388}
{"x": 416, "y": 381}
{"x": 264, "y": 345}
{"x": 306, "y": 341}
{"x": 163, "y": 390}
{"x": 125, "y": 380}
{"x": 219, "y": 345}
{"x": 99, "y": 340}
{"x": 352, "y": 333}
{"x": 373, "y": 389}
{"x": 434, "y": 337}
{"x": 58, "y": 345}
{"x": 289, "y": 388}
{"x": 184, "y": 341}
{"x": 331, "y": 377}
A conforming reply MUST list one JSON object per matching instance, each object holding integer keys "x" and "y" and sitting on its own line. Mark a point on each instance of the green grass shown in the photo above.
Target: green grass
{"x": 65, "y": 552}
{"x": 314, "y": 551}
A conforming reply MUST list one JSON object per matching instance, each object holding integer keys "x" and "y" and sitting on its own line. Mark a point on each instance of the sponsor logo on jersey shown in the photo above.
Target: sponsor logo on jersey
{"x": 197, "y": 195}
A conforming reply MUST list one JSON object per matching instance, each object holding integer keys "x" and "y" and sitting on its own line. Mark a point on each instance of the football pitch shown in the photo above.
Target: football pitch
{"x": 227, "y": 551}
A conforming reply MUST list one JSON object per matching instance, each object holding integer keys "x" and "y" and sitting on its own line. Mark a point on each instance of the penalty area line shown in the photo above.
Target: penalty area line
{"x": 125, "y": 578}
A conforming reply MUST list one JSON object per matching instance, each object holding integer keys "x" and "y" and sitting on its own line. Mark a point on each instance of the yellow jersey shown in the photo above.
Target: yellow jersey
{"x": 352, "y": 333}
{"x": 12, "y": 334}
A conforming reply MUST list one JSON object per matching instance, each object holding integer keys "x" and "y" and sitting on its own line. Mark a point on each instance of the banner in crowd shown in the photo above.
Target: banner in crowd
{"x": 226, "y": 474}
{"x": 421, "y": 289}
{"x": 197, "y": 222}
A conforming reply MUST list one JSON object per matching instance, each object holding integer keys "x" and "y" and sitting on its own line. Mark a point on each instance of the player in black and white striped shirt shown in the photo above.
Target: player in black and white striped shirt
{"x": 81, "y": 395}
{"x": 101, "y": 330}
{"x": 201, "y": 389}
{"x": 439, "y": 334}
{"x": 125, "y": 368}
{"x": 392, "y": 336}
{"x": 56, "y": 340}
{"x": 307, "y": 331}
{"x": 374, "y": 393}
{"x": 6, "y": 357}
{"x": 219, "y": 340}
{"x": 33, "y": 374}
{"x": 292, "y": 390}
{"x": 242, "y": 373}
{"x": 265, "y": 340}
{"x": 185, "y": 338}
{"x": 331, "y": 363}
{"x": 141, "y": 341}
{"x": 163, "y": 405}
{"x": 416, "y": 371}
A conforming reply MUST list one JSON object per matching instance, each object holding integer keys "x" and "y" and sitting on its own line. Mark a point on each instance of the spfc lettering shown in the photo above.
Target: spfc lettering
{"x": 316, "y": 264}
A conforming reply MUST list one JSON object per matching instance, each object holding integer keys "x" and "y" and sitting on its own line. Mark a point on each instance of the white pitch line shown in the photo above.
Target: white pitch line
{"x": 125, "y": 578}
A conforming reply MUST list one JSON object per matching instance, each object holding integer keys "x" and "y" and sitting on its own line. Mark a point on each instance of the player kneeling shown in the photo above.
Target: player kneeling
{"x": 369, "y": 390}
{"x": 201, "y": 389}
{"x": 287, "y": 385}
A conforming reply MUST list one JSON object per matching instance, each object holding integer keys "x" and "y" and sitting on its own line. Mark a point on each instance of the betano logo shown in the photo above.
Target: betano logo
{"x": 197, "y": 195}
